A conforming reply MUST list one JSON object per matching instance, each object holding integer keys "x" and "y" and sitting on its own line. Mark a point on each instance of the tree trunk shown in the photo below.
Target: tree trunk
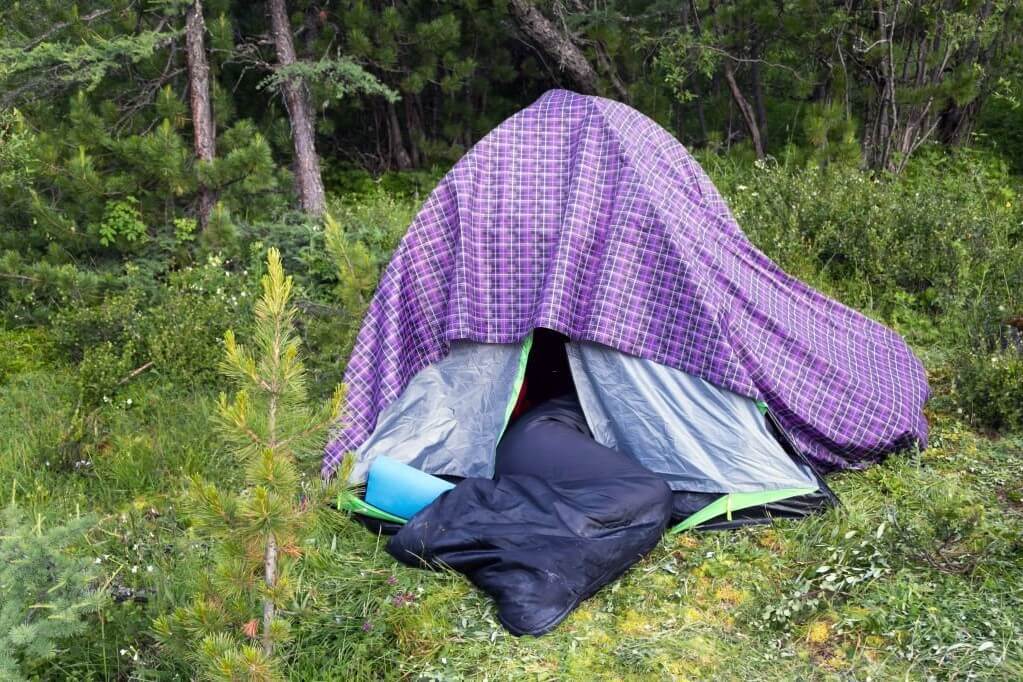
{"x": 678, "y": 115}
{"x": 748, "y": 116}
{"x": 270, "y": 580}
{"x": 398, "y": 153}
{"x": 607, "y": 62}
{"x": 557, "y": 45}
{"x": 415, "y": 128}
{"x": 308, "y": 182}
{"x": 204, "y": 130}
{"x": 701, "y": 116}
{"x": 958, "y": 120}
{"x": 878, "y": 152}
{"x": 759, "y": 101}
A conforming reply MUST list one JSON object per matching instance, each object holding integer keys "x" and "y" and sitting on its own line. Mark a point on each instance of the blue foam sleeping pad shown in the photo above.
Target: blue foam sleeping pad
{"x": 400, "y": 489}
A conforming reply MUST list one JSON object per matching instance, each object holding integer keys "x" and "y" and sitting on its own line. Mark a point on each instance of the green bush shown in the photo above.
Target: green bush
{"x": 933, "y": 235}
{"x": 113, "y": 320}
{"x": 356, "y": 182}
{"x": 104, "y": 368}
{"x": 342, "y": 264}
{"x": 46, "y": 592}
{"x": 183, "y": 332}
{"x": 989, "y": 387}
{"x": 934, "y": 254}
{"x": 33, "y": 287}
{"x": 23, "y": 350}
{"x": 921, "y": 561}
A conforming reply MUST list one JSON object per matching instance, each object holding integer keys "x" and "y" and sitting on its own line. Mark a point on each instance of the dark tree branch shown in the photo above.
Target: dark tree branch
{"x": 60, "y": 26}
{"x": 557, "y": 44}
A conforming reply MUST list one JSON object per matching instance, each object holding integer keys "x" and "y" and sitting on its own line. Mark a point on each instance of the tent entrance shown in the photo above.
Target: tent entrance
{"x": 547, "y": 372}
{"x": 725, "y": 463}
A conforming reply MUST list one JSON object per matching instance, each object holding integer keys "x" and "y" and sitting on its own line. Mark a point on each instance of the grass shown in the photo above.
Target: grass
{"x": 918, "y": 574}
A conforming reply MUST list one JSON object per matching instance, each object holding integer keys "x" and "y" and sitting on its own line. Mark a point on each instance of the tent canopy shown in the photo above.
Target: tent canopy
{"x": 581, "y": 215}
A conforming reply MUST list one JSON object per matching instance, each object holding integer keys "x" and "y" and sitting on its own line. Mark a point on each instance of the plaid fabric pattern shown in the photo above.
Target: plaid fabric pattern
{"x": 584, "y": 216}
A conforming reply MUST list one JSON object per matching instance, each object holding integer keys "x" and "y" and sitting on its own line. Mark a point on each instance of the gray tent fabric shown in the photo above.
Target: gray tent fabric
{"x": 697, "y": 436}
{"x": 450, "y": 417}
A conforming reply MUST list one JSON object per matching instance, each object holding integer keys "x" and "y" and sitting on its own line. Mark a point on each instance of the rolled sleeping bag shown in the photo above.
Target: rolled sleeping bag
{"x": 401, "y": 490}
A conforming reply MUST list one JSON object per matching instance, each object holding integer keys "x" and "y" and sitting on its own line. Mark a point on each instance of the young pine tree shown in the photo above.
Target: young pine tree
{"x": 234, "y": 623}
{"x": 47, "y": 594}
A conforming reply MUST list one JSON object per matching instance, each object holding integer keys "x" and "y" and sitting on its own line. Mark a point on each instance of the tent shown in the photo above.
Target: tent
{"x": 717, "y": 450}
{"x": 580, "y": 232}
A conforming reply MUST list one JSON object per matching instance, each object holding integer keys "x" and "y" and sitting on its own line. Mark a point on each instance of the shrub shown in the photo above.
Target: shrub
{"x": 989, "y": 387}
{"x": 103, "y": 369}
{"x": 122, "y": 224}
{"x": 46, "y": 593}
{"x": 23, "y": 350}
{"x": 934, "y": 254}
{"x": 33, "y": 289}
{"x": 342, "y": 265}
{"x": 114, "y": 320}
{"x": 181, "y": 334}
{"x": 944, "y": 230}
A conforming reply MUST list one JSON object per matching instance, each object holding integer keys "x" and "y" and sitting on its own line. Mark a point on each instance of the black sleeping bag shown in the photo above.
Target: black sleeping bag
{"x": 563, "y": 517}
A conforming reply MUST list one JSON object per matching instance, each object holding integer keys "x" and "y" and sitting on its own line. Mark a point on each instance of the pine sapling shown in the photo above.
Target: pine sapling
{"x": 269, "y": 426}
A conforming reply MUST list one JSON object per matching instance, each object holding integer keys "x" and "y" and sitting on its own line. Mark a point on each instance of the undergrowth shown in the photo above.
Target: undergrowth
{"x": 108, "y": 378}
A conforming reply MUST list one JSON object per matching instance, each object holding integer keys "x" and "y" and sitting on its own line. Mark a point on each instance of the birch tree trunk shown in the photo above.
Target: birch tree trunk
{"x": 204, "y": 130}
{"x": 308, "y": 182}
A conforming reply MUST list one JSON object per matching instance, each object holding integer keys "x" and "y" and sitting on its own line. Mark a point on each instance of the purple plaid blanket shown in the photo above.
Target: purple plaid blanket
{"x": 584, "y": 216}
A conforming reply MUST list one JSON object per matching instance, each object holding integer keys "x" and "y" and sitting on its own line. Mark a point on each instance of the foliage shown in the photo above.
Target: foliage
{"x": 259, "y": 531}
{"x": 23, "y": 351}
{"x": 359, "y": 242}
{"x": 342, "y": 262}
{"x": 696, "y": 607}
{"x": 14, "y": 148}
{"x": 926, "y": 537}
{"x": 32, "y": 66}
{"x": 342, "y": 75}
{"x": 934, "y": 254}
{"x": 183, "y": 332}
{"x": 35, "y": 290}
{"x": 121, "y": 222}
{"x": 887, "y": 77}
{"x": 989, "y": 386}
{"x": 46, "y": 592}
